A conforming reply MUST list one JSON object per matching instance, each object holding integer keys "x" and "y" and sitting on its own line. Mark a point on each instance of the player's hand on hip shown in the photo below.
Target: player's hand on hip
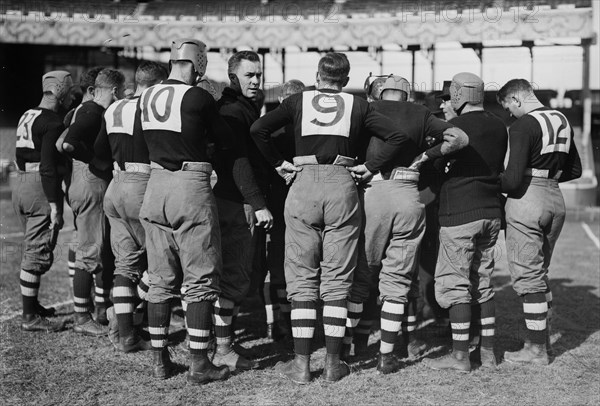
{"x": 360, "y": 173}
{"x": 287, "y": 171}
{"x": 264, "y": 218}
{"x": 56, "y": 217}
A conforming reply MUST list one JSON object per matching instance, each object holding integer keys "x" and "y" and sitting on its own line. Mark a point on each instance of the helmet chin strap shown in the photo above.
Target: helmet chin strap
{"x": 459, "y": 110}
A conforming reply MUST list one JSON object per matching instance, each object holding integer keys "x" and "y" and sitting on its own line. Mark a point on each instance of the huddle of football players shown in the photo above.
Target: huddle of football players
{"x": 319, "y": 205}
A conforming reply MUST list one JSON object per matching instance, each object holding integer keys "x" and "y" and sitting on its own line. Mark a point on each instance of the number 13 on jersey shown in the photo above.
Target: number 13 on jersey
{"x": 326, "y": 113}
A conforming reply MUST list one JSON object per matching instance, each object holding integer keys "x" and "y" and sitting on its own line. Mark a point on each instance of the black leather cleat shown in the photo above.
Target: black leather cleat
{"x": 35, "y": 322}
{"x": 161, "y": 362}
{"x": 334, "y": 369}
{"x": 387, "y": 363}
{"x": 203, "y": 371}
{"x": 296, "y": 370}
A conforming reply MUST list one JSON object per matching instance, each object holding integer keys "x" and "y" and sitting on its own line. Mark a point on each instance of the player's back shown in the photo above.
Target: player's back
{"x": 119, "y": 120}
{"x": 327, "y": 123}
{"x": 33, "y": 125}
{"x": 175, "y": 120}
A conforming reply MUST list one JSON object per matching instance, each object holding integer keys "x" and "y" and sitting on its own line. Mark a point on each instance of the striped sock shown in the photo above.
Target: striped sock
{"x": 142, "y": 287}
{"x": 535, "y": 308}
{"x": 410, "y": 319}
{"x": 391, "y": 322}
{"x": 30, "y": 285}
{"x": 335, "y": 313}
{"x": 102, "y": 290}
{"x": 275, "y": 301}
{"x": 199, "y": 323}
{"x": 548, "y": 295}
{"x": 460, "y": 323}
{"x": 82, "y": 287}
{"x": 159, "y": 317}
{"x": 71, "y": 265}
{"x": 268, "y": 301}
{"x": 354, "y": 312}
{"x": 488, "y": 323}
{"x": 223, "y": 312}
{"x": 124, "y": 298}
{"x": 362, "y": 332}
{"x": 303, "y": 319}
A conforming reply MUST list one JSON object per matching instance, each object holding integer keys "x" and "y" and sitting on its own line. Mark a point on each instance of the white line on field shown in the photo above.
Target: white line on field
{"x": 20, "y": 233}
{"x": 590, "y": 234}
{"x": 14, "y": 314}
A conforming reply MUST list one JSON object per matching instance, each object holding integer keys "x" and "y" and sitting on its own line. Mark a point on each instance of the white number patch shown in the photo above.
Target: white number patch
{"x": 120, "y": 116}
{"x": 326, "y": 113}
{"x": 161, "y": 107}
{"x": 24, "y": 134}
{"x": 556, "y": 131}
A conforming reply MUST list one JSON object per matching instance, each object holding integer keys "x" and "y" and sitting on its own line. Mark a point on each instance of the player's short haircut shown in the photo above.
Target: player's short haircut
{"x": 334, "y": 68}
{"x": 149, "y": 74}
{"x": 89, "y": 78}
{"x": 291, "y": 87}
{"x": 238, "y": 57}
{"x": 109, "y": 78}
{"x": 512, "y": 87}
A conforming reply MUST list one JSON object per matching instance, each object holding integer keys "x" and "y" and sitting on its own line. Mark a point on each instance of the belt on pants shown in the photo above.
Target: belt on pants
{"x": 399, "y": 173}
{"x": 340, "y": 160}
{"x": 542, "y": 173}
{"x": 203, "y": 167}
{"x": 137, "y": 167}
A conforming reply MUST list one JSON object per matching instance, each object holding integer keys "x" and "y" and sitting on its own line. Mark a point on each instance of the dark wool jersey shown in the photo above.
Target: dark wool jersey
{"x": 82, "y": 135}
{"x": 541, "y": 139}
{"x": 471, "y": 188}
{"x": 418, "y": 122}
{"x": 240, "y": 112}
{"x": 328, "y": 123}
{"x": 37, "y": 133}
{"x": 177, "y": 122}
{"x": 115, "y": 139}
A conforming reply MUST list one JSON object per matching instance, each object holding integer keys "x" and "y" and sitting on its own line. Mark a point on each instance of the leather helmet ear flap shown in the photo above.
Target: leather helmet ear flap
{"x": 191, "y": 50}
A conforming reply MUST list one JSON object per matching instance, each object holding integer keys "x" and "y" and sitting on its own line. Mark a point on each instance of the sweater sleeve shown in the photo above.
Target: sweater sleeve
{"x": 262, "y": 129}
{"x": 85, "y": 123}
{"x": 50, "y": 158}
{"x": 519, "y": 142}
{"x": 434, "y": 128}
{"x": 383, "y": 128}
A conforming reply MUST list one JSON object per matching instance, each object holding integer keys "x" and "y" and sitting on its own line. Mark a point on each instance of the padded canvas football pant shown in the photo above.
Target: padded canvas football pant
{"x": 86, "y": 197}
{"x": 322, "y": 218}
{"x": 183, "y": 240}
{"x": 122, "y": 203}
{"x": 465, "y": 263}
{"x": 235, "y": 249}
{"x": 394, "y": 227}
{"x": 32, "y": 208}
{"x": 533, "y": 223}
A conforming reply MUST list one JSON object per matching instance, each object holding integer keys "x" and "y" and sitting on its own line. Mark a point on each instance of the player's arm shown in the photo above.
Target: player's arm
{"x": 446, "y": 138}
{"x": 513, "y": 176}
{"x": 101, "y": 145}
{"x": 85, "y": 123}
{"x": 572, "y": 168}
{"x": 51, "y": 181}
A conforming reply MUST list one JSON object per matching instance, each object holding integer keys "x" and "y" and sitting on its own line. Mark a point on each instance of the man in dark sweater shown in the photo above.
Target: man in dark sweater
{"x": 542, "y": 154}
{"x": 242, "y": 207}
{"x": 469, "y": 213}
{"x": 89, "y": 181}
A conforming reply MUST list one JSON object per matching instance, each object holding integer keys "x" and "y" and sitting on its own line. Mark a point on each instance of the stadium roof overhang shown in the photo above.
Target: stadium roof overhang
{"x": 471, "y": 26}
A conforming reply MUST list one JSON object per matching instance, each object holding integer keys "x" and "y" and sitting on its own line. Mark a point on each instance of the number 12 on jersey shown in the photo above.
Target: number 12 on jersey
{"x": 556, "y": 131}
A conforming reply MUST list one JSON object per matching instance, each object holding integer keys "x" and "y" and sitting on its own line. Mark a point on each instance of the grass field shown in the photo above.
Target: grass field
{"x": 68, "y": 369}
